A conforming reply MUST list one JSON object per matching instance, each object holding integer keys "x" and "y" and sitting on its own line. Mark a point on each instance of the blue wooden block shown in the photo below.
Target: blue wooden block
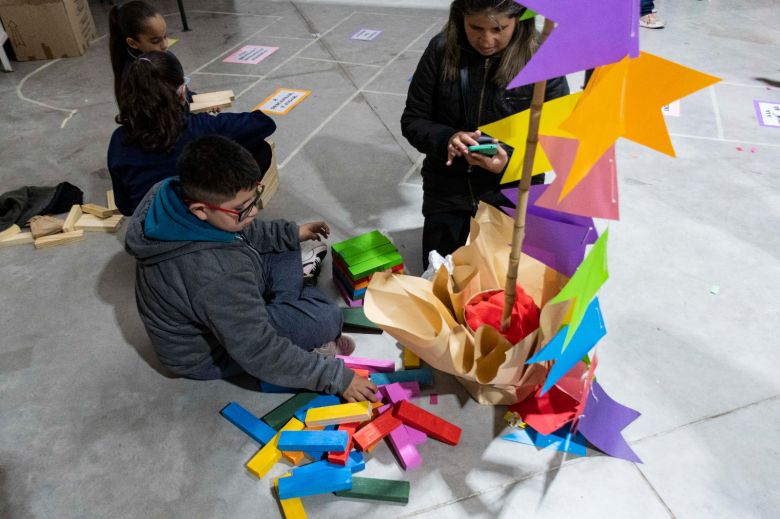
{"x": 423, "y": 375}
{"x": 322, "y": 481}
{"x": 320, "y": 401}
{"x": 267, "y": 387}
{"x": 329, "y": 441}
{"x": 355, "y": 463}
{"x": 249, "y": 423}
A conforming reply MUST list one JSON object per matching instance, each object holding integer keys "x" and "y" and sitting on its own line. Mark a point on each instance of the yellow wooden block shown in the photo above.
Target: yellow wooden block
{"x": 410, "y": 359}
{"x": 59, "y": 239}
{"x": 72, "y": 218}
{"x": 97, "y": 210}
{"x": 214, "y": 96}
{"x": 92, "y": 223}
{"x": 111, "y": 202}
{"x": 11, "y": 231}
{"x": 338, "y": 414}
{"x": 270, "y": 454}
{"x": 17, "y": 239}
{"x": 208, "y": 106}
{"x": 291, "y": 508}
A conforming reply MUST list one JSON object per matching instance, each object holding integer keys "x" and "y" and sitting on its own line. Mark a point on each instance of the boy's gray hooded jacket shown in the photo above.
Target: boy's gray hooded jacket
{"x": 195, "y": 297}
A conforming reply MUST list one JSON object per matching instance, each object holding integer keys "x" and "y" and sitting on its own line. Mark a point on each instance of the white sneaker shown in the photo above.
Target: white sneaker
{"x": 312, "y": 255}
{"x": 343, "y": 345}
{"x": 651, "y": 21}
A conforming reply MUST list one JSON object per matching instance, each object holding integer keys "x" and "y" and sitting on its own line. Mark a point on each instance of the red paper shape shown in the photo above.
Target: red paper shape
{"x": 487, "y": 308}
{"x": 546, "y": 414}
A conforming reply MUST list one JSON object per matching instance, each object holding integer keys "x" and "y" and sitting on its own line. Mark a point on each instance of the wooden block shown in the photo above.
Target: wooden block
{"x": 17, "y": 239}
{"x": 73, "y": 217}
{"x": 208, "y": 106}
{"x": 294, "y": 457}
{"x": 270, "y": 179}
{"x": 411, "y": 360}
{"x": 325, "y": 441}
{"x": 214, "y": 96}
{"x": 340, "y": 458}
{"x": 92, "y": 223}
{"x": 355, "y": 463}
{"x": 282, "y": 414}
{"x": 59, "y": 239}
{"x": 11, "y": 231}
{"x": 338, "y": 414}
{"x": 249, "y": 423}
{"x": 320, "y": 401}
{"x": 291, "y": 508}
{"x": 373, "y": 365}
{"x": 97, "y": 210}
{"x": 314, "y": 482}
{"x": 404, "y": 448}
{"x": 426, "y": 422}
{"x": 374, "y": 431}
{"x": 270, "y": 455}
{"x": 378, "y": 490}
{"x": 396, "y": 392}
{"x": 110, "y": 202}
{"x": 424, "y": 376}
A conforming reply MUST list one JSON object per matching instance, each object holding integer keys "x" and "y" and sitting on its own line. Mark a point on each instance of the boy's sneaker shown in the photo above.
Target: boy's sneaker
{"x": 651, "y": 21}
{"x": 343, "y": 345}
{"x": 312, "y": 255}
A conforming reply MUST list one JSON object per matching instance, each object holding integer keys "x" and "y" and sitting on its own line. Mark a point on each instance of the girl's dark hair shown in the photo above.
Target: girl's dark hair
{"x": 125, "y": 21}
{"x": 213, "y": 169}
{"x": 150, "y": 107}
{"x": 519, "y": 51}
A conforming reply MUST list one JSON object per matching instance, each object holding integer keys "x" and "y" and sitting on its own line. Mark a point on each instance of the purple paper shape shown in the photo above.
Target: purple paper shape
{"x": 555, "y": 238}
{"x": 767, "y": 113}
{"x": 604, "y": 420}
{"x": 588, "y": 34}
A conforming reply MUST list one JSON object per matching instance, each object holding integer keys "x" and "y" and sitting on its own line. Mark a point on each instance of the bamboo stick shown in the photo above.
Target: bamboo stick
{"x": 518, "y": 233}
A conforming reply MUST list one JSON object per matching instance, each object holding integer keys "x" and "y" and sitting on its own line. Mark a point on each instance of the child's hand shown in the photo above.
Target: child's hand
{"x": 359, "y": 390}
{"x": 313, "y": 231}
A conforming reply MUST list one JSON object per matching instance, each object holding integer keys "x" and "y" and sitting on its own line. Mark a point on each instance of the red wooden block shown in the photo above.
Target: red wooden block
{"x": 375, "y": 430}
{"x": 340, "y": 458}
{"x": 430, "y": 424}
{"x": 362, "y": 372}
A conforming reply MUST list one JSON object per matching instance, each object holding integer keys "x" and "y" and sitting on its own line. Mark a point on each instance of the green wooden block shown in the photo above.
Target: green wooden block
{"x": 384, "y": 262}
{"x": 282, "y": 414}
{"x": 368, "y": 255}
{"x": 377, "y": 490}
{"x": 356, "y": 317}
{"x": 358, "y": 244}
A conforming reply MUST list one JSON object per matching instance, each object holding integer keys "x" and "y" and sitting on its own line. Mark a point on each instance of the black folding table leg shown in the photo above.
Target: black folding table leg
{"x": 185, "y": 27}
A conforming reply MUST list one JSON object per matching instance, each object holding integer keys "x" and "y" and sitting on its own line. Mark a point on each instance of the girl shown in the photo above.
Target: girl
{"x": 156, "y": 125}
{"x": 134, "y": 28}
{"x": 460, "y": 84}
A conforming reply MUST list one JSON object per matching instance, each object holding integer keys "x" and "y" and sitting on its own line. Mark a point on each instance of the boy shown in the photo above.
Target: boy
{"x": 221, "y": 293}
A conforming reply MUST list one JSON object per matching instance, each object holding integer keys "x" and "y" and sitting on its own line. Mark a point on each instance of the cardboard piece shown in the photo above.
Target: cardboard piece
{"x": 48, "y": 29}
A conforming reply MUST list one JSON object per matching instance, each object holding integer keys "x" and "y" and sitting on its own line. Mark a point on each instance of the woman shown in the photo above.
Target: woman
{"x": 459, "y": 85}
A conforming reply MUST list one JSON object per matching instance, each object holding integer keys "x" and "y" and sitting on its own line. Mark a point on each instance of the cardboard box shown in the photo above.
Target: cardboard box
{"x": 47, "y": 29}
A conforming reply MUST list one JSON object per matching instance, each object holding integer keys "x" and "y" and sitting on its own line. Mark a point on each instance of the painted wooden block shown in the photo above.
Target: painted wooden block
{"x": 371, "y": 433}
{"x": 291, "y": 508}
{"x": 411, "y": 360}
{"x": 326, "y": 441}
{"x": 249, "y": 423}
{"x": 378, "y": 490}
{"x": 270, "y": 455}
{"x": 404, "y": 448}
{"x": 338, "y": 414}
{"x": 429, "y": 423}
{"x": 373, "y": 365}
{"x": 315, "y": 482}
{"x": 282, "y": 414}
{"x": 320, "y": 401}
{"x": 423, "y": 376}
{"x": 340, "y": 458}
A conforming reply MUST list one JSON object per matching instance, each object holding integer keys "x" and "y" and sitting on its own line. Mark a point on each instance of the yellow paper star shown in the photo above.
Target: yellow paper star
{"x": 513, "y": 130}
{"x": 625, "y": 100}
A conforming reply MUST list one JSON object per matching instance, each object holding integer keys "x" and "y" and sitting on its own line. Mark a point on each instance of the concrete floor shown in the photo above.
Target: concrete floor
{"x": 91, "y": 427}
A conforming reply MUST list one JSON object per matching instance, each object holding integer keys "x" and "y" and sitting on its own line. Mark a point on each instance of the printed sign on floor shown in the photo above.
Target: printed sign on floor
{"x": 672, "y": 109}
{"x": 172, "y": 41}
{"x": 282, "y": 101}
{"x": 366, "y": 34}
{"x": 250, "y": 54}
{"x": 768, "y": 113}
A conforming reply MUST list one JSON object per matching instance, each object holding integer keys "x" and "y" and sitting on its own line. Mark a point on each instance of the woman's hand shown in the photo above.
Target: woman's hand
{"x": 360, "y": 389}
{"x": 458, "y": 146}
{"x": 494, "y": 164}
{"x": 313, "y": 231}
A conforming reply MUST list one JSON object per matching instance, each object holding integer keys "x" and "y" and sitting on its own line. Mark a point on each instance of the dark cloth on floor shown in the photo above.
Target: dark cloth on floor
{"x": 19, "y": 205}
{"x": 134, "y": 171}
{"x": 209, "y": 301}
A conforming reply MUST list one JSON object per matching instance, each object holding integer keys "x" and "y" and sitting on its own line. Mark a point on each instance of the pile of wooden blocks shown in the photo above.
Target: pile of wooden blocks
{"x": 80, "y": 219}
{"x": 357, "y": 259}
{"x": 212, "y": 101}
{"x": 337, "y": 436}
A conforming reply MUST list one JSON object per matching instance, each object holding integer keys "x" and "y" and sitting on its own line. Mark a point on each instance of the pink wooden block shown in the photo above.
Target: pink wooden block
{"x": 384, "y": 408}
{"x": 370, "y": 364}
{"x": 417, "y": 436}
{"x": 398, "y": 391}
{"x": 413, "y": 388}
{"x": 404, "y": 448}
{"x": 350, "y": 302}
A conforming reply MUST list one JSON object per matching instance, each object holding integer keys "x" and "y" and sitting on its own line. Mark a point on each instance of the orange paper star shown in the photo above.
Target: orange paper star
{"x": 625, "y": 100}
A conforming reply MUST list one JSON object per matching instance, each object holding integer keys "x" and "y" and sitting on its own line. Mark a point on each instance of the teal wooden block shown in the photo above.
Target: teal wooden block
{"x": 377, "y": 490}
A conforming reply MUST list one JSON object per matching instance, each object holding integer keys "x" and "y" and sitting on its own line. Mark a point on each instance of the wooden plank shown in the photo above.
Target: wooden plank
{"x": 11, "y": 231}
{"x": 210, "y": 105}
{"x": 214, "y": 96}
{"x": 17, "y": 239}
{"x": 59, "y": 239}
{"x": 91, "y": 223}
{"x": 270, "y": 179}
{"x": 73, "y": 217}
{"x": 111, "y": 202}
{"x": 97, "y": 210}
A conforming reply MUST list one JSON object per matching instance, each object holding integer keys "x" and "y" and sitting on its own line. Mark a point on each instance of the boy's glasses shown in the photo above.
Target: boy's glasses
{"x": 241, "y": 215}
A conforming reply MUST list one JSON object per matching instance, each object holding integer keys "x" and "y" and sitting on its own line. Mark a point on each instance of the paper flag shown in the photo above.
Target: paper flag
{"x": 527, "y": 14}
{"x": 588, "y": 334}
{"x": 596, "y": 195}
{"x": 556, "y": 239}
{"x": 563, "y": 440}
{"x": 625, "y": 100}
{"x": 604, "y": 420}
{"x": 513, "y": 130}
{"x": 588, "y": 381}
{"x": 584, "y": 284}
{"x": 547, "y": 413}
{"x": 588, "y": 34}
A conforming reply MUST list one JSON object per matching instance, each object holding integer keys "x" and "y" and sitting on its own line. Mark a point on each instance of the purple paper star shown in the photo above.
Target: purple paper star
{"x": 588, "y": 34}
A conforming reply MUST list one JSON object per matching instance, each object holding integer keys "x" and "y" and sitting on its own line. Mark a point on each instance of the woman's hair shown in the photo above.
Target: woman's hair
{"x": 125, "y": 21}
{"x": 150, "y": 106}
{"x": 519, "y": 51}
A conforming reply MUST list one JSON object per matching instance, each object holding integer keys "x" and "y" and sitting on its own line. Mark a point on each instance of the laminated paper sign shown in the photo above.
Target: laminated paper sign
{"x": 366, "y": 34}
{"x": 250, "y": 54}
{"x": 768, "y": 113}
{"x": 282, "y": 101}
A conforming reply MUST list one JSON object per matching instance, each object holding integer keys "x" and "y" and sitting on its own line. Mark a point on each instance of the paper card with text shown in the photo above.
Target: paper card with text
{"x": 768, "y": 113}
{"x": 366, "y": 34}
{"x": 250, "y": 54}
{"x": 282, "y": 101}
